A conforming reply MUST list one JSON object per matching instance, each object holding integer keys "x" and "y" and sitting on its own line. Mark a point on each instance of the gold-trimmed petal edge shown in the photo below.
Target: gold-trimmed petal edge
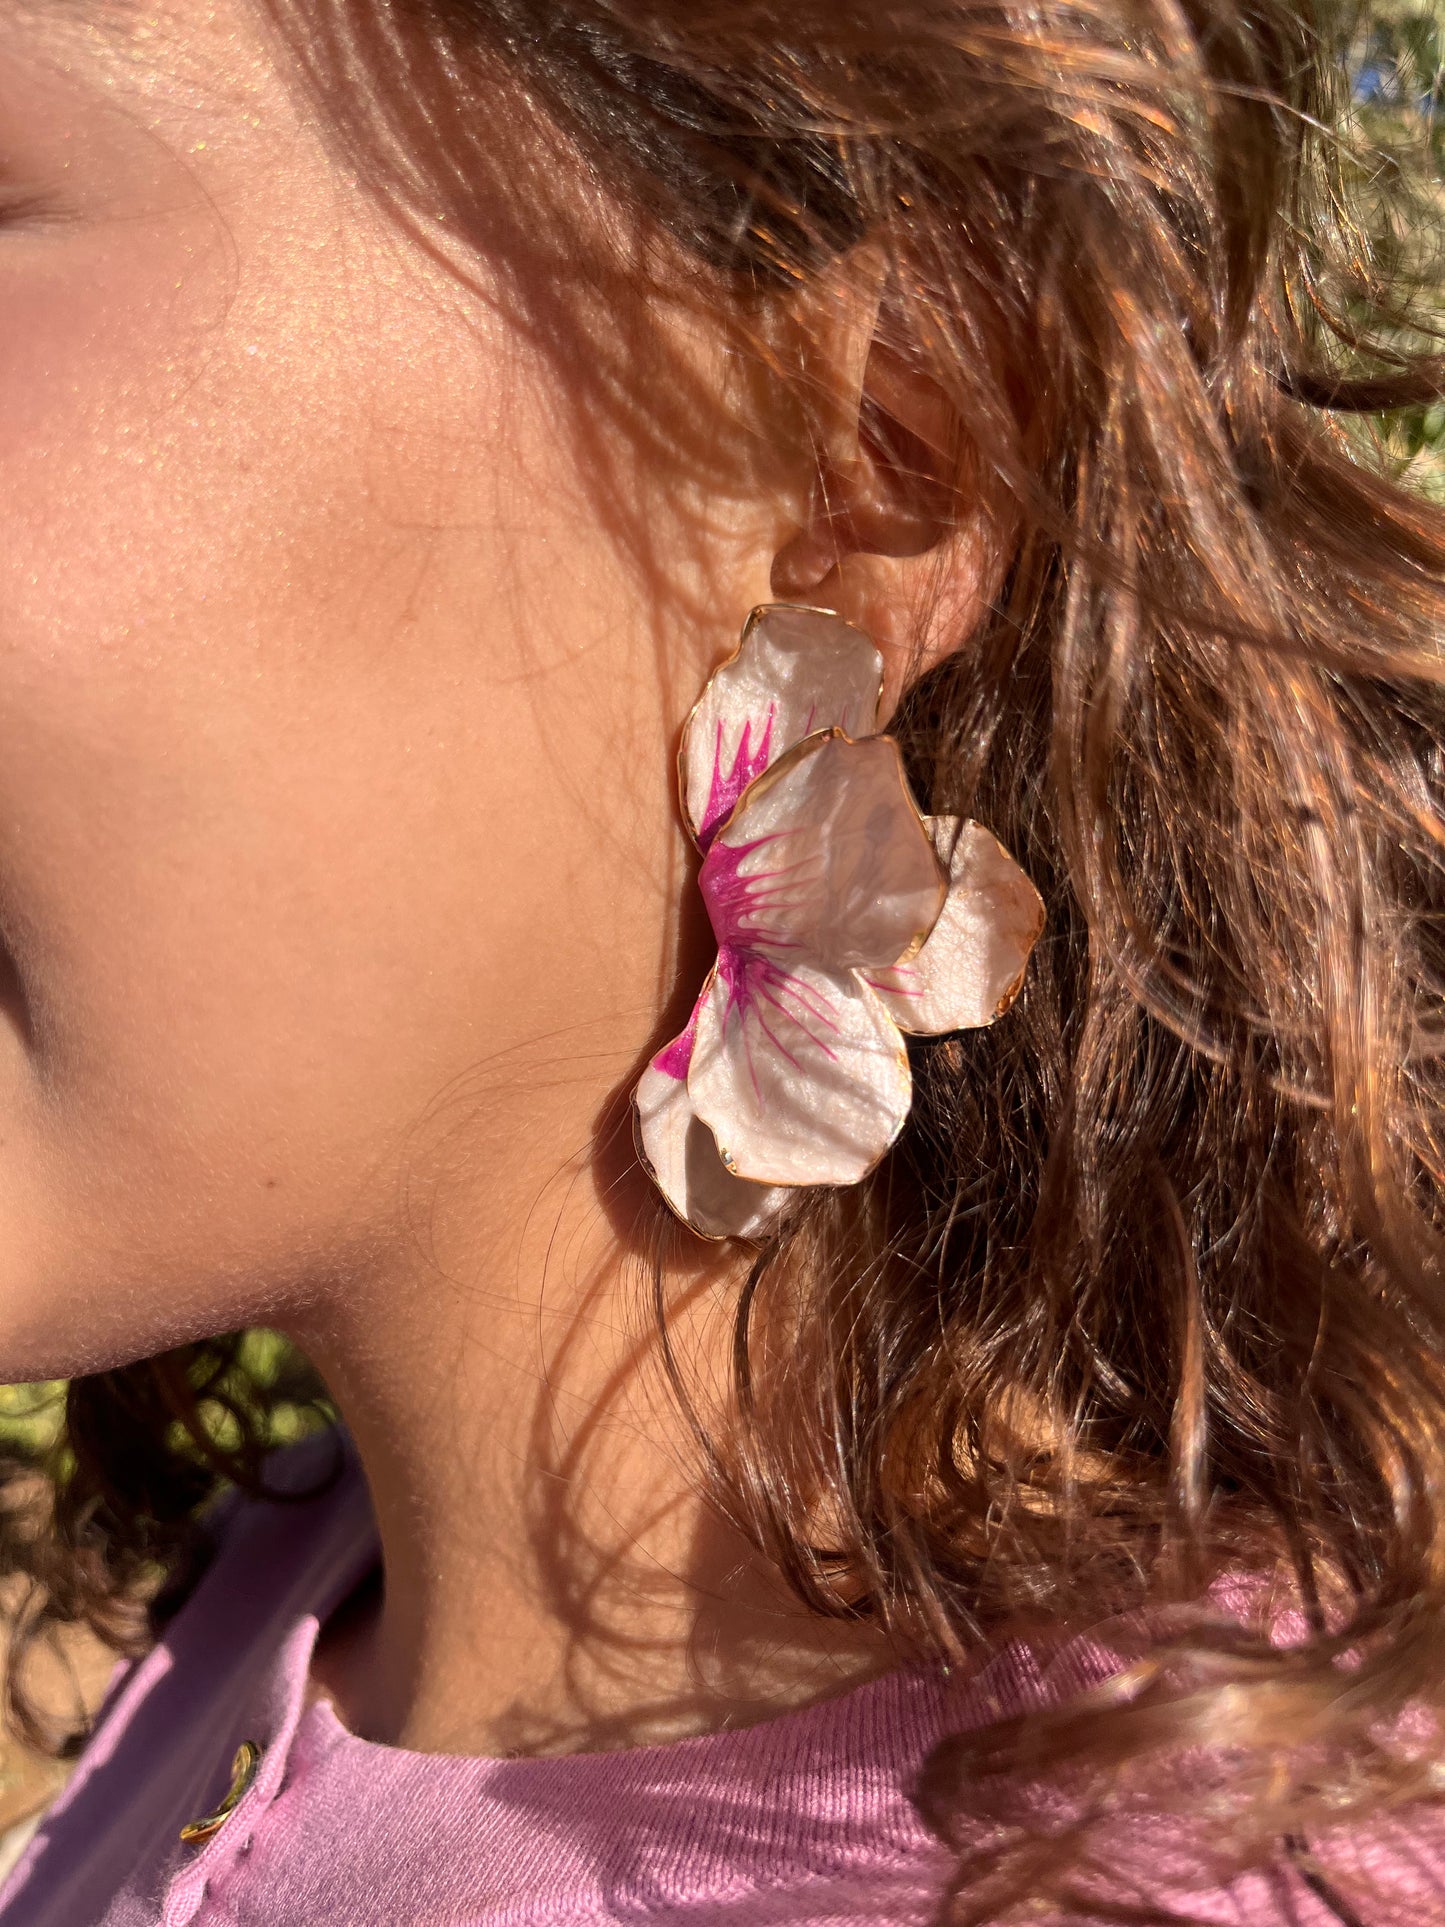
{"x": 755, "y": 615}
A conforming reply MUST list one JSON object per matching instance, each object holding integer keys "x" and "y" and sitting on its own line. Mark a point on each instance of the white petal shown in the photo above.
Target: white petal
{"x": 801, "y": 1074}
{"x": 681, "y": 1155}
{"x": 826, "y": 860}
{"x": 795, "y": 671}
{"x": 973, "y": 963}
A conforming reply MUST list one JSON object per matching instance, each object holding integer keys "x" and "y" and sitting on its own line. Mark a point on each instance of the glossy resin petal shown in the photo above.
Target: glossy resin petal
{"x": 795, "y": 671}
{"x": 681, "y": 1155}
{"x": 970, "y": 969}
{"x": 800, "y": 1073}
{"x": 826, "y": 861}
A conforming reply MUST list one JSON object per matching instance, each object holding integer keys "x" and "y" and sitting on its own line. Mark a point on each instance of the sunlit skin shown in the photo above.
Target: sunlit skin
{"x": 340, "y": 866}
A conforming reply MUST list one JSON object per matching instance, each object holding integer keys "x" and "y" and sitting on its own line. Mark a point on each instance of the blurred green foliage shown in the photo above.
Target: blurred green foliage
{"x": 1397, "y": 144}
{"x": 275, "y": 1386}
{"x": 31, "y": 1417}
{"x": 272, "y": 1382}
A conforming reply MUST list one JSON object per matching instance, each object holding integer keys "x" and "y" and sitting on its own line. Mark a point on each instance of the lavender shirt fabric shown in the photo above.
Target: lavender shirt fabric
{"x": 805, "y": 1820}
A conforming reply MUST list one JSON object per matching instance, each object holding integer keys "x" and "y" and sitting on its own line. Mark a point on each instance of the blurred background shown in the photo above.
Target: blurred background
{"x": 1395, "y": 52}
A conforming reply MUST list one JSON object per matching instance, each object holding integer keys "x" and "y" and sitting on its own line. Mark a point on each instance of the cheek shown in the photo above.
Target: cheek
{"x": 298, "y": 821}
{"x": 207, "y": 872}
{"x": 325, "y": 734}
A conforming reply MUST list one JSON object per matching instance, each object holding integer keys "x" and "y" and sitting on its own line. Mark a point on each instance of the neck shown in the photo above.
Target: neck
{"x": 554, "y": 1579}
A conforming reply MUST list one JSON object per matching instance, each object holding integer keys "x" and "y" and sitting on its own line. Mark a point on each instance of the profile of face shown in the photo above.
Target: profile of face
{"x": 335, "y": 765}
{"x": 339, "y": 691}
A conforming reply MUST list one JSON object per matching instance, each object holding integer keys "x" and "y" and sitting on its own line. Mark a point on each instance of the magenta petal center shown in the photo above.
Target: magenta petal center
{"x": 674, "y": 1058}
{"x": 742, "y": 902}
{"x": 749, "y": 760}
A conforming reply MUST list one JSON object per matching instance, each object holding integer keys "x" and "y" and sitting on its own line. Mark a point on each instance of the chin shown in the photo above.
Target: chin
{"x": 67, "y": 1320}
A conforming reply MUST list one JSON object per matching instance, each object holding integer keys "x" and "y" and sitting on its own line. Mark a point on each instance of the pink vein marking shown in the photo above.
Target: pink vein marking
{"x": 764, "y": 998}
{"x": 753, "y": 983}
{"x": 726, "y": 786}
{"x": 820, "y": 1008}
{"x": 913, "y": 989}
{"x": 777, "y": 1044}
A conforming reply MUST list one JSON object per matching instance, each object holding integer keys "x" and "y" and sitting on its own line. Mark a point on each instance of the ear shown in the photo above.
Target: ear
{"x": 894, "y": 533}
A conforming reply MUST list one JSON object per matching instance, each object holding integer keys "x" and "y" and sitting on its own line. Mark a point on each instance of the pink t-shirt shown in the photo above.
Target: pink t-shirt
{"x": 804, "y": 1820}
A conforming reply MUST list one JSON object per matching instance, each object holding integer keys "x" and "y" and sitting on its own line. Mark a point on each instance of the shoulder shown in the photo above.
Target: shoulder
{"x": 225, "y": 1668}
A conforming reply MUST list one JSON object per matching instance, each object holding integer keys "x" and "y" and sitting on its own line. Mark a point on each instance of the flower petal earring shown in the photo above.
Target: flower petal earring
{"x": 843, "y": 919}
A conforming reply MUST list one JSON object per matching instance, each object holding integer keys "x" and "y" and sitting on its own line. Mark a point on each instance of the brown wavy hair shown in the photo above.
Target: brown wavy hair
{"x": 1150, "y": 1291}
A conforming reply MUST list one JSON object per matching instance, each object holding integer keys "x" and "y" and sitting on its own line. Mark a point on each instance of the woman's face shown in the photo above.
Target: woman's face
{"x": 337, "y": 845}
